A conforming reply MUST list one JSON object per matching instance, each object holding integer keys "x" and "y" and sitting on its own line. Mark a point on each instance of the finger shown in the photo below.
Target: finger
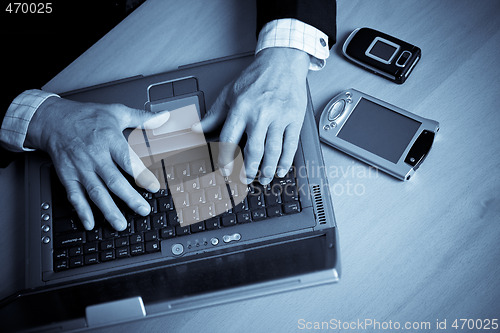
{"x": 76, "y": 196}
{"x": 254, "y": 150}
{"x": 115, "y": 182}
{"x": 141, "y": 118}
{"x": 230, "y": 136}
{"x": 215, "y": 117}
{"x": 100, "y": 196}
{"x": 127, "y": 159}
{"x": 290, "y": 143}
{"x": 272, "y": 153}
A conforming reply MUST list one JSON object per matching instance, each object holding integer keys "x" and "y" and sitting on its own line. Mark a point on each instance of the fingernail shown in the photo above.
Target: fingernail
{"x": 281, "y": 172}
{"x": 121, "y": 224}
{"x": 227, "y": 169}
{"x": 265, "y": 181}
{"x": 225, "y": 172}
{"x": 144, "y": 210}
{"x": 153, "y": 187}
{"x": 248, "y": 180}
{"x": 87, "y": 225}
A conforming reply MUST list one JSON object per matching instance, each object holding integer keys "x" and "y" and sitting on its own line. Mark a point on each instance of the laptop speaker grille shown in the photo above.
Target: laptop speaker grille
{"x": 319, "y": 207}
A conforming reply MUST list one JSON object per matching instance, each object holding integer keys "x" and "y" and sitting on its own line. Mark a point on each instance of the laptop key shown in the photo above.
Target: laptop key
{"x": 258, "y": 214}
{"x": 242, "y": 206}
{"x": 61, "y": 265}
{"x": 212, "y": 223}
{"x": 159, "y": 221}
{"x": 181, "y": 231}
{"x": 163, "y": 192}
{"x": 228, "y": 220}
{"x": 90, "y": 247}
{"x": 108, "y": 255}
{"x": 136, "y": 238}
{"x": 256, "y": 201}
{"x": 273, "y": 211}
{"x": 290, "y": 193}
{"x": 122, "y": 241}
{"x": 60, "y": 254}
{"x": 165, "y": 204}
{"x": 198, "y": 167}
{"x": 167, "y": 232}
{"x": 94, "y": 235}
{"x": 151, "y": 236}
{"x": 122, "y": 252}
{"x": 71, "y": 239}
{"x": 153, "y": 246}
{"x": 197, "y": 227}
{"x": 137, "y": 249}
{"x": 291, "y": 208}
{"x": 154, "y": 207}
{"x": 91, "y": 259}
{"x": 76, "y": 261}
{"x": 192, "y": 184}
{"x": 142, "y": 224}
{"x": 107, "y": 245}
{"x": 173, "y": 219}
{"x": 75, "y": 251}
{"x": 108, "y": 233}
{"x": 243, "y": 217}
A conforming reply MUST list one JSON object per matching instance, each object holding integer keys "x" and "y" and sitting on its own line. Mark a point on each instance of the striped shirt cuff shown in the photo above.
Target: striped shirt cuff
{"x": 17, "y": 119}
{"x": 298, "y": 35}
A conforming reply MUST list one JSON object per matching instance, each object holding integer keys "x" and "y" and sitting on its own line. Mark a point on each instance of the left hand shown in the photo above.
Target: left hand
{"x": 267, "y": 101}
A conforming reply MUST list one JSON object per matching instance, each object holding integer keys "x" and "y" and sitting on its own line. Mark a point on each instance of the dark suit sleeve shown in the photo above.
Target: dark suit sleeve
{"x": 321, "y": 14}
{"x": 38, "y": 46}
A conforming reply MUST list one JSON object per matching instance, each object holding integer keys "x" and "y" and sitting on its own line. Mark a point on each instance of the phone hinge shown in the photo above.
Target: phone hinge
{"x": 116, "y": 311}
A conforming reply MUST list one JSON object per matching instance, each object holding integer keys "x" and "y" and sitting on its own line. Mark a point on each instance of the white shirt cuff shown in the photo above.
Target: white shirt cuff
{"x": 18, "y": 117}
{"x": 298, "y": 35}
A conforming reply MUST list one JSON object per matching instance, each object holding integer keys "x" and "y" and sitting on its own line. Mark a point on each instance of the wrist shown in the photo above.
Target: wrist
{"x": 37, "y": 125}
{"x": 295, "y": 60}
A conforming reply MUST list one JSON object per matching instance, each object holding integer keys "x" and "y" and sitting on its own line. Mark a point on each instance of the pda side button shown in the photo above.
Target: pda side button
{"x": 177, "y": 249}
{"x": 336, "y": 110}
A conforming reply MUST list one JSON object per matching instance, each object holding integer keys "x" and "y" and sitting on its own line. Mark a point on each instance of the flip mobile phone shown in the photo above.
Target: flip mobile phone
{"x": 387, "y": 137}
{"x": 381, "y": 53}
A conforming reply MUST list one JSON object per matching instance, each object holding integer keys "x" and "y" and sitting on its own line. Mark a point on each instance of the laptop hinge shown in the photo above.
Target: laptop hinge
{"x": 116, "y": 311}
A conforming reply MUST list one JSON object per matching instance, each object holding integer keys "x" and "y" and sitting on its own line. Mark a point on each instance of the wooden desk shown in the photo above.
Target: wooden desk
{"x": 420, "y": 251}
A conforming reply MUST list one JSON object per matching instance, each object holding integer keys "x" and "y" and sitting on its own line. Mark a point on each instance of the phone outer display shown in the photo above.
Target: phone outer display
{"x": 381, "y": 53}
{"x": 382, "y": 50}
{"x": 380, "y": 134}
{"x": 379, "y": 130}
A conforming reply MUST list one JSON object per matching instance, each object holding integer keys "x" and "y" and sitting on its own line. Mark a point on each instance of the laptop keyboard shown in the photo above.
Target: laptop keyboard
{"x": 75, "y": 247}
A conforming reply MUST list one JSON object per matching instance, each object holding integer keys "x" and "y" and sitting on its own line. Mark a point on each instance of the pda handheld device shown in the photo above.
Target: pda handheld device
{"x": 387, "y": 137}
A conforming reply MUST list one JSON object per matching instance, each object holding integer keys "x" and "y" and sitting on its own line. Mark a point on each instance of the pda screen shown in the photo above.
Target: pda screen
{"x": 379, "y": 130}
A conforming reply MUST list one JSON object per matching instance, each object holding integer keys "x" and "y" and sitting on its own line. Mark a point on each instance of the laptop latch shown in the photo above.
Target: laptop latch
{"x": 115, "y": 311}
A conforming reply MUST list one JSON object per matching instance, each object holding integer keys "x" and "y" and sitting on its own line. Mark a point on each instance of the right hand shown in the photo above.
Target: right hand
{"x": 87, "y": 145}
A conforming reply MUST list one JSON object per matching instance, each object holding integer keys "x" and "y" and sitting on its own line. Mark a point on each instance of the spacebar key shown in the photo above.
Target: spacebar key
{"x": 71, "y": 239}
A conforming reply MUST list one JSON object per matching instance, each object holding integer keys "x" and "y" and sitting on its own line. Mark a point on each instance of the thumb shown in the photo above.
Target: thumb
{"x": 146, "y": 119}
{"x": 215, "y": 117}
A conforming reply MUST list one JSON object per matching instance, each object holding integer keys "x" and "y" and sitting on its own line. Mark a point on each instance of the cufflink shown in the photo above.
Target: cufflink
{"x": 322, "y": 42}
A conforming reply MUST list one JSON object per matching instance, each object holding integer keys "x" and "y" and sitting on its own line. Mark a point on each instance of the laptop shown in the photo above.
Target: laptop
{"x": 208, "y": 240}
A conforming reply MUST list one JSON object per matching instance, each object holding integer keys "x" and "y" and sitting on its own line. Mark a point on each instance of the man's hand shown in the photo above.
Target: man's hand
{"x": 86, "y": 144}
{"x": 267, "y": 101}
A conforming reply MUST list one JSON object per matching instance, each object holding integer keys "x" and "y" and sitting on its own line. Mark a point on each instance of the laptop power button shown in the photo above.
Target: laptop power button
{"x": 177, "y": 249}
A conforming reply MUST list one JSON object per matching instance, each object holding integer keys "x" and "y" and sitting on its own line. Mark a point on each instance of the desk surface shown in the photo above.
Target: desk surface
{"x": 417, "y": 251}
